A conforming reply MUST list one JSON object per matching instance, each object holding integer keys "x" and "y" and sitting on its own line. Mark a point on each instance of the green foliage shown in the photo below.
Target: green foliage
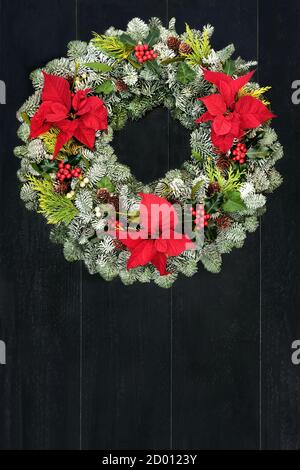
{"x": 112, "y": 46}
{"x": 55, "y": 207}
{"x": 201, "y": 47}
{"x": 98, "y": 66}
{"x": 229, "y": 67}
{"x": 230, "y": 181}
{"x": 106, "y": 87}
{"x": 152, "y": 37}
{"x": 106, "y": 183}
{"x": 184, "y": 73}
{"x": 233, "y": 202}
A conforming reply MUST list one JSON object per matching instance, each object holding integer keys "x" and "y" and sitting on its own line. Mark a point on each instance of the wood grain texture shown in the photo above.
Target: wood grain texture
{"x": 279, "y": 54}
{"x": 39, "y": 317}
{"x": 216, "y": 317}
{"x": 126, "y": 338}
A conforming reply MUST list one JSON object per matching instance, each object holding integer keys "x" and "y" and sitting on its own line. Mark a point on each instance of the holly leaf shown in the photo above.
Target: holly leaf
{"x": 98, "y": 66}
{"x": 153, "y": 66}
{"x": 184, "y": 73}
{"x": 127, "y": 40}
{"x": 254, "y": 153}
{"x": 106, "y": 87}
{"x": 233, "y": 202}
{"x": 106, "y": 183}
{"x": 152, "y": 37}
{"x": 229, "y": 67}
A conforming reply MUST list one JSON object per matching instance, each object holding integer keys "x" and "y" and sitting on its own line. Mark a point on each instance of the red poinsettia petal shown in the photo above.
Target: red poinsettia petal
{"x": 79, "y": 100}
{"x": 238, "y": 83}
{"x": 66, "y": 128}
{"x": 56, "y": 89}
{"x": 222, "y": 142}
{"x": 204, "y": 118}
{"x": 85, "y": 135}
{"x": 252, "y": 112}
{"x": 176, "y": 246}
{"x": 96, "y": 120}
{"x": 130, "y": 240}
{"x": 141, "y": 254}
{"x": 227, "y": 92}
{"x": 159, "y": 260}
{"x": 39, "y": 124}
{"x": 157, "y": 214}
{"x": 216, "y": 77}
{"x": 221, "y": 125}
{"x": 56, "y": 111}
{"x": 215, "y": 104}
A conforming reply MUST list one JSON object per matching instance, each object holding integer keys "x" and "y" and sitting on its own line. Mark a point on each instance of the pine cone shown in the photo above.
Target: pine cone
{"x": 223, "y": 163}
{"x": 173, "y": 43}
{"x": 184, "y": 48}
{"x": 103, "y": 195}
{"x": 114, "y": 200}
{"x": 119, "y": 245}
{"x": 121, "y": 85}
{"x": 223, "y": 221}
{"x": 61, "y": 187}
{"x": 213, "y": 188}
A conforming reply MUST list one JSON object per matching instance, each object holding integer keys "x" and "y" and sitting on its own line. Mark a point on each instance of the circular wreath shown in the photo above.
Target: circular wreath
{"x": 70, "y": 173}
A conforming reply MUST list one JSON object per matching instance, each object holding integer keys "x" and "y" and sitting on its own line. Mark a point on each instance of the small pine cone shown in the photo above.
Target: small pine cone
{"x": 223, "y": 162}
{"x": 213, "y": 188}
{"x": 184, "y": 48}
{"x": 103, "y": 195}
{"x": 121, "y": 85}
{"x": 119, "y": 245}
{"x": 114, "y": 200}
{"x": 223, "y": 221}
{"x": 61, "y": 187}
{"x": 173, "y": 43}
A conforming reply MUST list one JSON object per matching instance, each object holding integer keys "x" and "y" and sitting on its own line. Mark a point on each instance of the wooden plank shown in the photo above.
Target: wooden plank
{"x": 126, "y": 330}
{"x": 39, "y": 305}
{"x": 216, "y": 317}
{"x": 279, "y": 52}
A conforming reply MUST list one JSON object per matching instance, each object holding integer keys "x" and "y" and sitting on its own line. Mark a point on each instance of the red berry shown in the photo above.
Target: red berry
{"x": 68, "y": 166}
{"x": 145, "y": 47}
{"x": 154, "y": 56}
{"x": 60, "y": 165}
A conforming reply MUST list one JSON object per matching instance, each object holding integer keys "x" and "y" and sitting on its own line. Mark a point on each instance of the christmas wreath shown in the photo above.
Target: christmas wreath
{"x": 100, "y": 213}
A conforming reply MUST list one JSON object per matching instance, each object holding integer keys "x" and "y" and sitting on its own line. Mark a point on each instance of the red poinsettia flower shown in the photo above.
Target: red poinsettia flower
{"x": 231, "y": 116}
{"x": 74, "y": 114}
{"x": 157, "y": 238}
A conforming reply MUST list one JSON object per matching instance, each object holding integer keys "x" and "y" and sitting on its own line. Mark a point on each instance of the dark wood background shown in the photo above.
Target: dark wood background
{"x": 96, "y": 365}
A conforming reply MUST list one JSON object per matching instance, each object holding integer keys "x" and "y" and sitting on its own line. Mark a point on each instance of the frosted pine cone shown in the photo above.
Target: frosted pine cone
{"x": 121, "y": 85}
{"x": 103, "y": 195}
{"x": 61, "y": 187}
{"x": 223, "y": 221}
{"x": 184, "y": 48}
{"x": 173, "y": 43}
{"x": 223, "y": 163}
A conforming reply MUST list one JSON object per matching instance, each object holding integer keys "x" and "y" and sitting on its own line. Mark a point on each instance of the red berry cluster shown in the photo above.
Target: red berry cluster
{"x": 239, "y": 153}
{"x": 65, "y": 172}
{"x": 143, "y": 53}
{"x": 201, "y": 217}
